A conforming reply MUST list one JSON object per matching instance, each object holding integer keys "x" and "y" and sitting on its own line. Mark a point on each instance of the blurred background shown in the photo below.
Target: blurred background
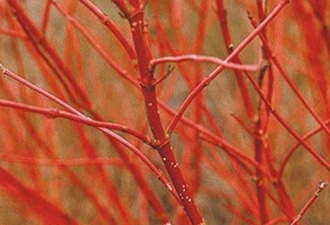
{"x": 88, "y": 177}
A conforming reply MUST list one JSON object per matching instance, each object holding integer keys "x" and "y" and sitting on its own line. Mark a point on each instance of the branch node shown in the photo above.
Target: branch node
{"x": 263, "y": 68}
{"x": 159, "y": 146}
{"x": 231, "y": 47}
{"x": 3, "y": 69}
{"x": 323, "y": 184}
{"x": 169, "y": 70}
{"x": 54, "y": 112}
{"x": 132, "y": 16}
{"x": 146, "y": 86}
{"x": 122, "y": 15}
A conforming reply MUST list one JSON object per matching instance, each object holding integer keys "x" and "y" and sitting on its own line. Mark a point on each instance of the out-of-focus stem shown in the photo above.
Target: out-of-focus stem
{"x": 108, "y": 132}
{"x": 260, "y": 185}
{"x": 293, "y": 132}
{"x": 261, "y": 145}
{"x": 46, "y": 16}
{"x": 56, "y": 113}
{"x": 51, "y": 57}
{"x": 50, "y": 213}
{"x": 222, "y": 17}
{"x": 206, "y": 81}
{"x": 60, "y": 162}
{"x": 293, "y": 87}
{"x": 95, "y": 43}
{"x": 268, "y": 104}
{"x": 320, "y": 12}
{"x": 296, "y": 145}
{"x": 110, "y": 25}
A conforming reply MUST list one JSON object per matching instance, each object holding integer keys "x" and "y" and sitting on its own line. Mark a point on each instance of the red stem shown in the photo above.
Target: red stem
{"x": 309, "y": 203}
{"x": 49, "y": 54}
{"x": 47, "y": 211}
{"x": 293, "y": 87}
{"x": 268, "y": 104}
{"x": 46, "y": 16}
{"x": 320, "y": 12}
{"x": 165, "y": 150}
{"x": 110, "y": 25}
{"x": 207, "y": 59}
{"x": 206, "y": 81}
{"x": 61, "y": 162}
{"x": 261, "y": 143}
{"x": 296, "y": 145}
{"x": 94, "y": 42}
{"x": 56, "y": 113}
{"x": 111, "y": 135}
{"x": 260, "y": 182}
{"x": 294, "y": 133}
{"x": 222, "y": 17}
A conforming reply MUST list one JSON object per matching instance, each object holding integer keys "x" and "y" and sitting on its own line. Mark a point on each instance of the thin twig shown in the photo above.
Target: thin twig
{"x": 56, "y": 113}
{"x": 206, "y": 81}
{"x": 60, "y": 162}
{"x": 108, "y": 132}
{"x": 308, "y": 204}
{"x": 206, "y": 59}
